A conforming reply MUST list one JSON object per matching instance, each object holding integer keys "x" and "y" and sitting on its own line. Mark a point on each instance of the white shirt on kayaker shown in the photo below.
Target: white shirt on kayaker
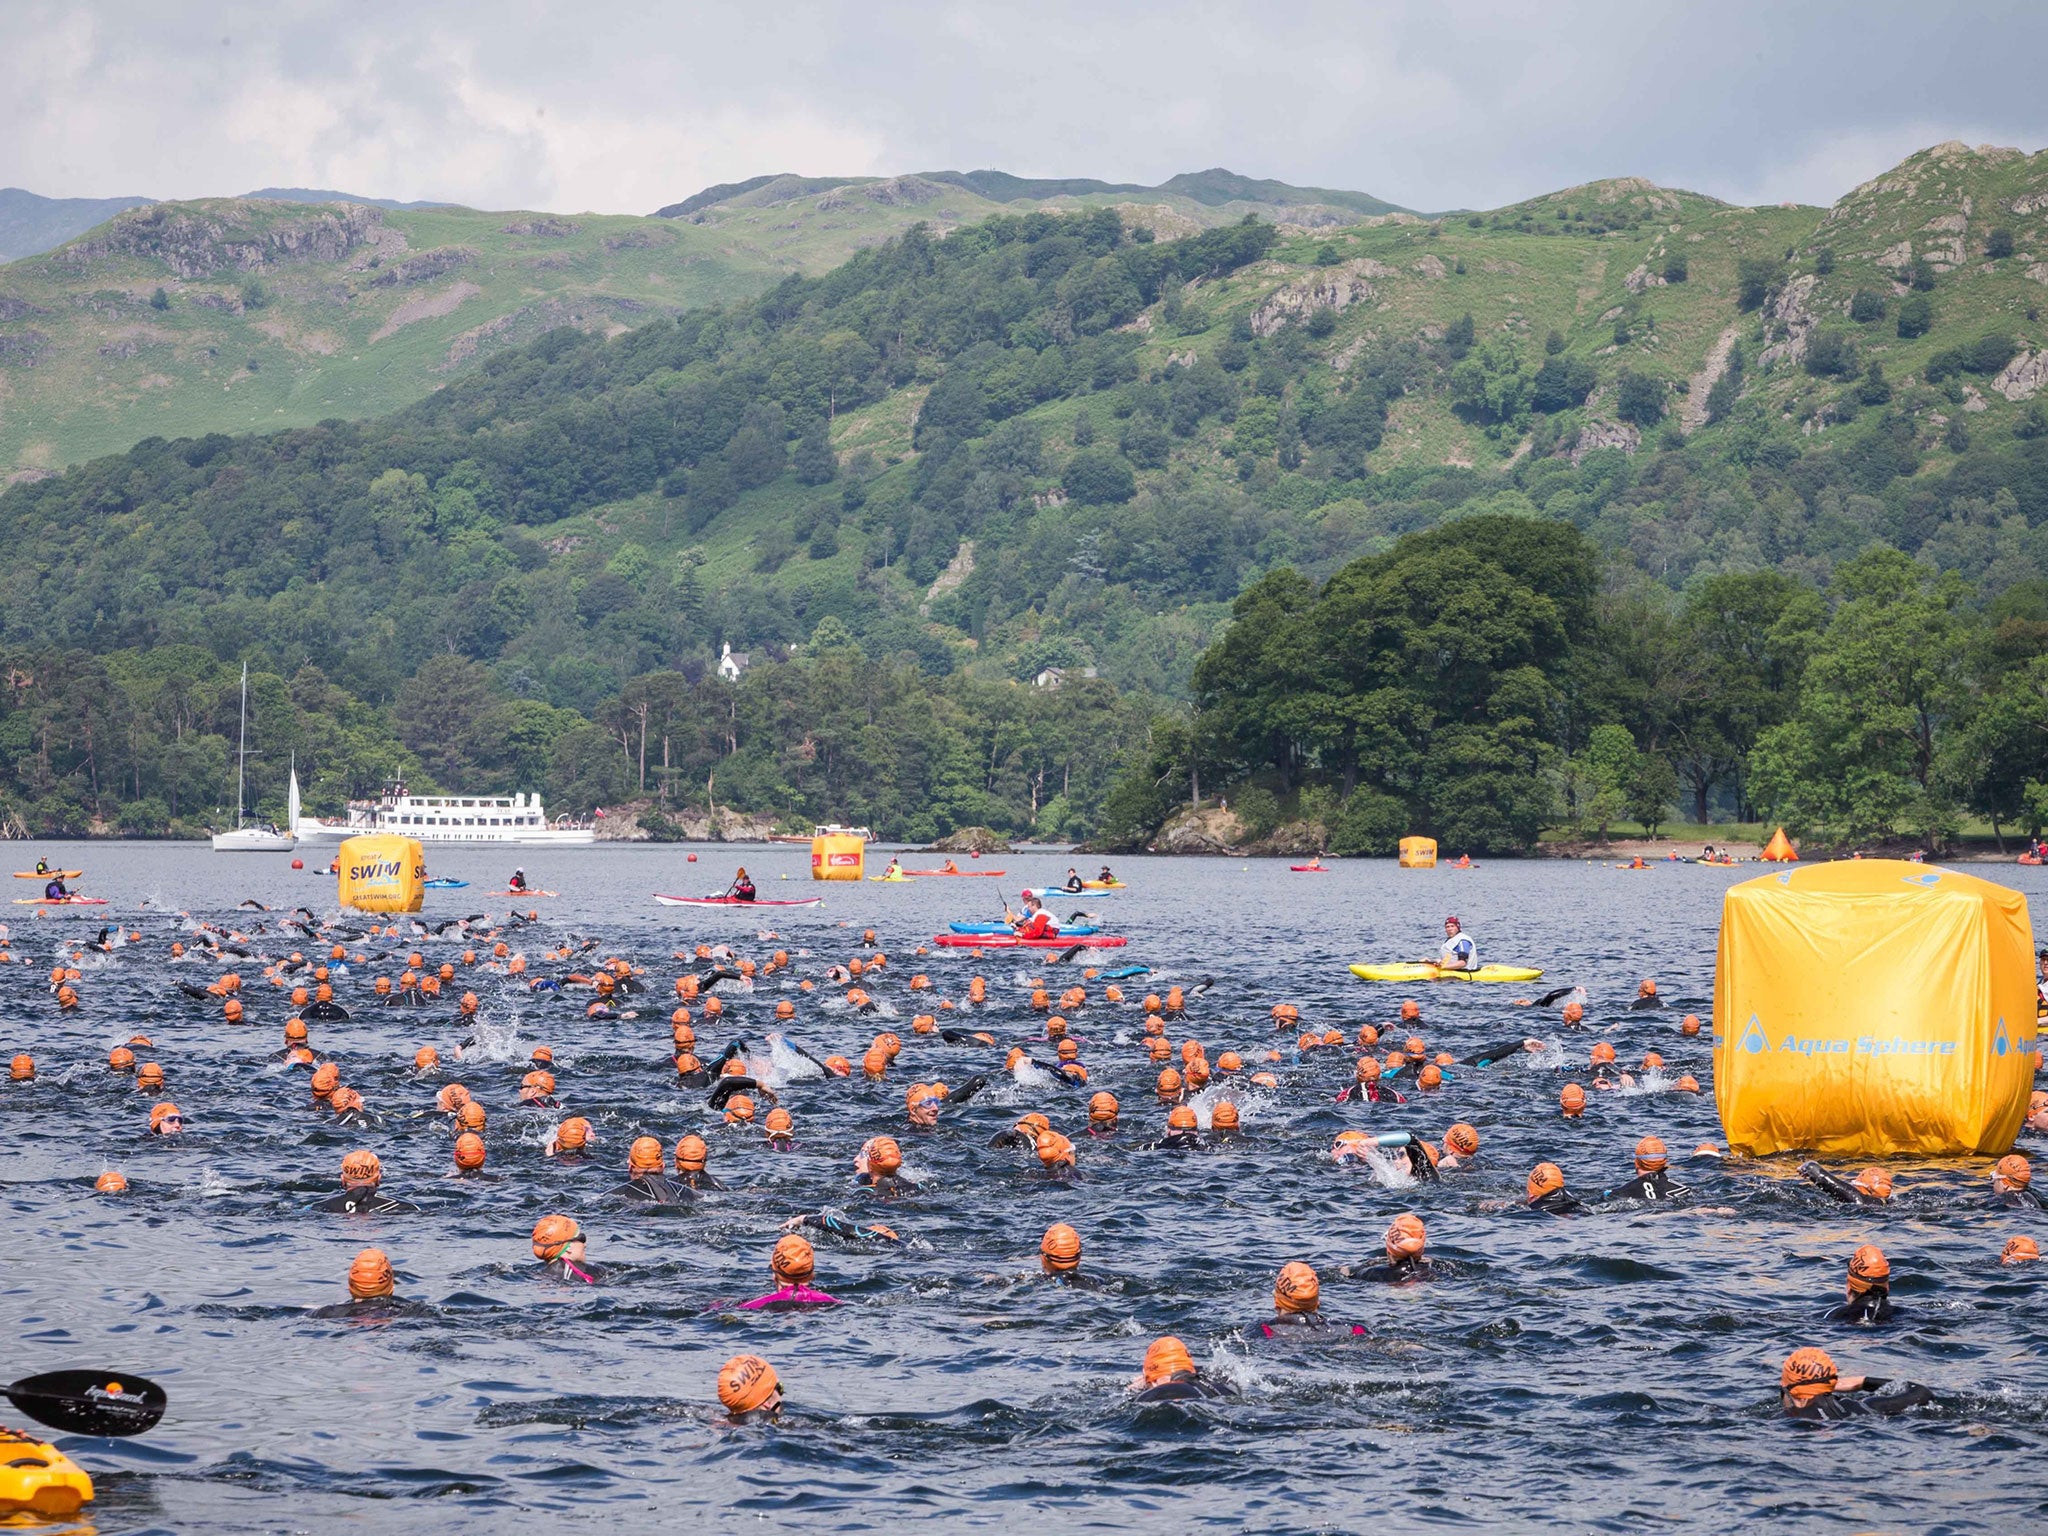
{"x": 1460, "y": 953}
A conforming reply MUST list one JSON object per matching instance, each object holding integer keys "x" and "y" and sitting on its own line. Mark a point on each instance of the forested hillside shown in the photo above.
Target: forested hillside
{"x": 1065, "y": 442}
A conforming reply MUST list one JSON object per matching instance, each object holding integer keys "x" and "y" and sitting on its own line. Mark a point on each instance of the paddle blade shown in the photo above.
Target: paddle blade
{"x": 90, "y": 1402}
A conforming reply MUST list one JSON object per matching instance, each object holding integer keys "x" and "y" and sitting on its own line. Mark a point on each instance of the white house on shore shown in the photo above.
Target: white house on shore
{"x": 732, "y": 663}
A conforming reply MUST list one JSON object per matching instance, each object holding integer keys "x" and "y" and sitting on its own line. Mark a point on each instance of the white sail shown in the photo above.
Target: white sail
{"x": 291, "y": 814}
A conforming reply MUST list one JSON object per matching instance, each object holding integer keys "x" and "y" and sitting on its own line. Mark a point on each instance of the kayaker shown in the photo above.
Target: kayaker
{"x": 42, "y": 866}
{"x": 1035, "y": 922}
{"x": 55, "y": 891}
{"x": 1106, "y": 878}
{"x": 1810, "y": 1389}
{"x": 742, "y": 888}
{"x": 894, "y": 871}
{"x": 949, "y": 868}
{"x": 1075, "y": 885}
{"x": 1459, "y": 952}
{"x": 518, "y": 881}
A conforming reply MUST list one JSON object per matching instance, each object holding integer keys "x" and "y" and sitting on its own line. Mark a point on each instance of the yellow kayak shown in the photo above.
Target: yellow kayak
{"x": 1415, "y": 970}
{"x": 889, "y": 879}
{"x": 39, "y": 1479}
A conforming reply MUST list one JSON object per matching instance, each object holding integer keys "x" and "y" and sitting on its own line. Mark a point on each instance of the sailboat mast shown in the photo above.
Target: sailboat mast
{"x": 242, "y": 745}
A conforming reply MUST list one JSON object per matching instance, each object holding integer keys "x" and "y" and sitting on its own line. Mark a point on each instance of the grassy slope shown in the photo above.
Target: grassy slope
{"x": 1516, "y": 285}
{"x": 112, "y": 370}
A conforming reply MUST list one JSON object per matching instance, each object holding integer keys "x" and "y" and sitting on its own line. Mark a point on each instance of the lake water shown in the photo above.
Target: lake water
{"x": 1613, "y": 1372}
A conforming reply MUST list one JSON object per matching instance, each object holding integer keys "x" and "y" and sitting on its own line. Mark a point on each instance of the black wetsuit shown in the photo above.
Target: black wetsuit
{"x": 1304, "y": 1324}
{"x": 1644, "y": 1004}
{"x": 1873, "y": 1306}
{"x": 331, "y": 1011}
{"x": 702, "y": 1178}
{"x": 1559, "y": 1202}
{"x": 1179, "y": 1141}
{"x": 366, "y": 1202}
{"x": 1369, "y": 1093}
{"x": 850, "y": 1231}
{"x": 965, "y": 1037}
{"x": 654, "y": 1189}
{"x": 1493, "y": 1055}
{"x": 1838, "y": 1187}
{"x": 376, "y": 1306}
{"x": 727, "y": 1087}
{"x": 1645, "y": 1189}
{"x": 2019, "y": 1200}
{"x": 1872, "y": 1397}
{"x": 1417, "y": 1152}
{"x": 1397, "y": 1271}
{"x": 1182, "y": 1386}
{"x": 744, "y": 891}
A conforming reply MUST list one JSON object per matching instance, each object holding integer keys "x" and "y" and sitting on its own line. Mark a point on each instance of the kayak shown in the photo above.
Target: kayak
{"x": 50, "y": 874}
{"x": 1011, "y": 941}
{"x": 1309, "y": 869}
{"x": 38, "y": 1480}
{"x": 447, "y": 885}
{"x": 60, "y": 901}
{"x": 524, "y": 893}
{"x": 2025, "y": 858}
{"x": 1102, "y": 885}
{"x": 1415, "y": 970}
{"x": 731, "y": 901}
{"x": 958, "y": 874}
{"x": 1002, "y": 928}
{"x": 896, "y": 879}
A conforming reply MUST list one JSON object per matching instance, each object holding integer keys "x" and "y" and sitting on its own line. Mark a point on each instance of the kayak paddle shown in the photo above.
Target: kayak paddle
{"x": 90, "y": 1402}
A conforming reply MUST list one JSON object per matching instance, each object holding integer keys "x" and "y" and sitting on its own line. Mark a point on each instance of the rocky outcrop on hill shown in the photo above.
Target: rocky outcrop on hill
{"x": 425, "y": 266}
{"x": 971, "y": 840}
{"x": 2023, "y": 377}
{"x": 1211, "y": 829}
{"x": 640, "y": 822}
{"x": 549, "y": 227}
{"x": 196, "y": 240}
{"x": 23, "y": 349}
{"x": 1335, "y": 288}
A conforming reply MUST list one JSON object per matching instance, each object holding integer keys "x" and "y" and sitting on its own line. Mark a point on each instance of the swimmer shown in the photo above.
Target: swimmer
{"x": 559, "y": 1245}
{"x": 1406, "y": 1262}
{"x": 792, "y": 1264}
{"x": 1547, "y": 1193}
{"x": 878, "y": 1166}
{"x": 372, "y": 1290}
{"x": 646, "y": 1183}
{"x": 1366, "y": 1086}
{"x": 747, "y": 1385}
{"x": 362, "y": 1194}
{"x": 1869, "y": 1290}
{"x": 1652, "y": 1183}
{"x": 1505, "y": 1050}
{"x": 1297, "y": 1304}
{"x": 1059, "y": 1259}
{"x": 842, "y": 1227}
{"x": 691, "y": 1155}
{"x": 1646, "y": 996}
{"x": 1873, "y": 1186}
{"x": 2012, "y": 1179}
{"x": 1810, "y": 1389}
{"x": 1169, "y": 1375}
{"x": 1421, "y": 1155}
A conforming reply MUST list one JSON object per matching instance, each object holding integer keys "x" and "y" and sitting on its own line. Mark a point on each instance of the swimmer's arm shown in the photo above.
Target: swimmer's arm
{"x": 1839, "y": 1188}
{"x": 968, "y": 1089}
{"x": 1490, "y": 1055}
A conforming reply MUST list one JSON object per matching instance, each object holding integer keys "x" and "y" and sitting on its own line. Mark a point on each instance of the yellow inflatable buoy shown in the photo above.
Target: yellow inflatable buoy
{"x": 39, "y": 1479}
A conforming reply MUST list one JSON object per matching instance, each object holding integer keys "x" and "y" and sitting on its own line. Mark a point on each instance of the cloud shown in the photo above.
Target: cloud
{"x": 623, "y": 108}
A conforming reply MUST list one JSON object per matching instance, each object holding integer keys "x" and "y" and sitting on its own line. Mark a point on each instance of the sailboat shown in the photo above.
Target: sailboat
{"x": 247, "y": 839}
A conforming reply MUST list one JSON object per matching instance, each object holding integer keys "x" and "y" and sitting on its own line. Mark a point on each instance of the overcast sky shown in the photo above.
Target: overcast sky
{"x": 624, "y": 107}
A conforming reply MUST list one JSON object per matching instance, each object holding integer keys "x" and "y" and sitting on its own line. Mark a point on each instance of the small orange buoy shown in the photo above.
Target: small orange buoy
{"x": 693, "y": 858}
{"x": 298, "y": 863}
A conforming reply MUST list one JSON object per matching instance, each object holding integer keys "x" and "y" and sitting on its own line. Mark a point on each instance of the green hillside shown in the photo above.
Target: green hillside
{"x": 277, "y": 314}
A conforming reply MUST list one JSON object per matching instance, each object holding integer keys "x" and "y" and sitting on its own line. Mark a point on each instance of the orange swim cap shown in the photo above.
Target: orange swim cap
{"x": 1603, "y": 1053}
{"x": 1410, "y": 1009}
{"x": 747, "y": 1382}
{"x": 2020, "y": 1250}
{"x": 1875, "y": 1182}
{"x": 779, "y": 1123}
{"x": 1165, "y": 1358}
{"x": 159, "y": 1113}
{"x": 361, "y": 1167}
{"x": 785, "y": 1010}
{"x": 793, "y": 1262}
{"x": 838, "y": 1066}
{"x": 1296, "y": 1289}
{"x": 1573, "y": 1012}
{"x": 1406, "y": 1236}
{"x": 1060, "y": 1249}
{"x": 149, "y": 1075}
{"x": 1689, "y": 1025}
{"x": 739, "y": 1110}
{"x": 1102, "y": 1109}
{"x": 121, "y": 1059}
{"x": 1868, "y": 1267}
{"x": 691, "y": 1155}
{"x": 2015, "y": 1170}
{"x": 1462, "y": 1139}
{"x": 369, "y": 1277}
{"x": 687, "y": 1063}
{"x": 1431, "y": 1076}
{"x": 644, "y": 1155}
{"x": 539, "y": 1081}
{"x": 1169, "y": 1085}
{"x": 1054, "y": 1150}
{"x": 1687, "y": 1084}
{"x": 879, "y": 1156}
{"x": 326, "y": 1078}
{"x": 1651, "y": 1155}
{"x": 1646, "y": 988}
{"x": 22, "y": 1068}
{"x": 1068, "y": 1050}
{"x": 1157, "y": 1048}
{"x": 714, "y": 1007}
{"x": 1229, "y": 1061}
{"x": 469, "y": 1150}
{"x": 1807, "y": 1373}
{"x": 573, "y": 1134}
{"x": 1224, "y": 1116}
{"x": 876, "y": 1062}
{"x": 1350, "y": 1144}
{"x": 295, "y": 1029}
{"x": 1544, "y": 1178}
{"x": 552, "y": 1234}
{"x": 1367, "y": 1071}
{"x": 1572, "y": 1100}
{"x": 232, "y": 1011}
{"x": 1180, "y": 1118}
{"x": 470, "y": 1115}
{"x": 1264, "y": 1080}
{"x": 1652, "y": 1061}
{"x": 112, "y": 1183}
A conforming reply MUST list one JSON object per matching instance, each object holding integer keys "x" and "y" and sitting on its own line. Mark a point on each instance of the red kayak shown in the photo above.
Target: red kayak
{"x": 958, "y": 874}
{"x": 1011, "y": 941}
{"x": 731, "y": 901}
{"x": 1309, "y": 869}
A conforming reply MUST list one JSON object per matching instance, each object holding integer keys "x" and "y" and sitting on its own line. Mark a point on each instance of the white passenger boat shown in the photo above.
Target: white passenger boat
{"x": 507, "y": 819}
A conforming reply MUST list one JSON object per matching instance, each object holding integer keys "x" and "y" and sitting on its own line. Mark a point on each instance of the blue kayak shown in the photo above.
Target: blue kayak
{"x": 990, "y": 930}
{"x": 447, "y": 885}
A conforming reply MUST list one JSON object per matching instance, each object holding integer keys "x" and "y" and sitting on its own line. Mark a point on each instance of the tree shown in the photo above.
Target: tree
{"x": 1999, "y": 244}
{"x": 1459, "y": 333}
{"x": 437, "y": 713}
{"x": 1920, "y": 273}
{"x": 1096, "y": 477}
{"x": 1675, "y": 270}
{"x": 1866, "y": 305}
{"x": 1755, "y": 277}
{"x": 1639, "y": 398}
{"x": 1916, "y": 316}
{"x": 814, "y": 461}
{"x": 1829, "y": 354}
{"x": 1561, "y": 384}
{"x": 160, "y": 300}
